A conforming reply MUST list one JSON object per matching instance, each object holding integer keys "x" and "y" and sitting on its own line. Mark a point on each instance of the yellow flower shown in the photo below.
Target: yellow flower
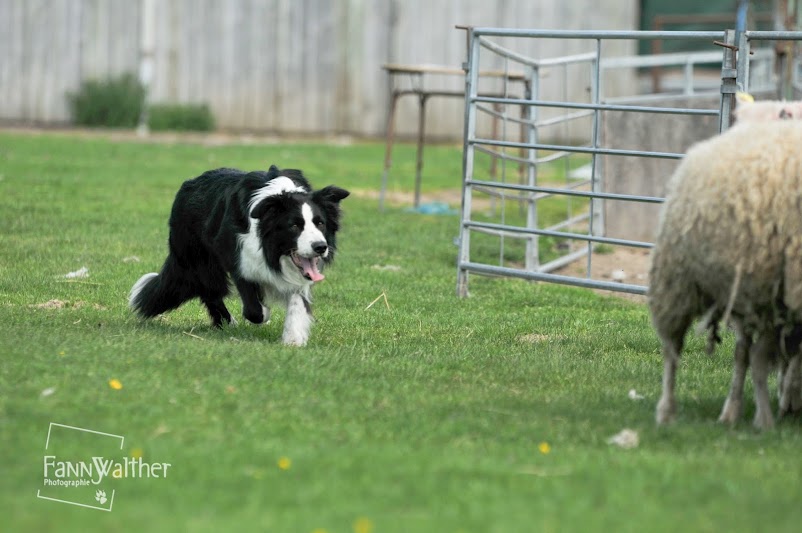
{"x": 136, "y": 453}
{"x": 544, "y": 448}
{"x": 363, "y": 525}
{"x": 61, "y": 352}
{"x": 115, "y": 384}
{"x": 284, "y": 463}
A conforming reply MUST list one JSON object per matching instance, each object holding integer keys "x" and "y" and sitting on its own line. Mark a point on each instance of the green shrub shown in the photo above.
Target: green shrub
{"x": 183, "y": 117}
{"x": 114, "y": 102}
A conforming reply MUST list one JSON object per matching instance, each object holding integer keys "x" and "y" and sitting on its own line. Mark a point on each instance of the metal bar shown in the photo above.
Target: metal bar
{"x": 555, "y": 278}
{"x": 471, "y": 87}
{"x": 578, "y": 149}
{"x": 744, "y": 51}
{"x": 728, "y": 81}
{"x": 560, "y": 262}
{"x": 595, "y": 186}
{"x": 540, "y": 160}
{"x": 507, "y": 229}
{"x": 616, "y": 34}
{"x": 532, "y": 257}
{"x": 598, "y": 106}
{"x": 528, "y": 61}
{"x": 548, "y": 122}
{"x": 765, "y": 35}
{"x": 522, "y": 197}
{"x": 568, "y": 222}
{"x": 557, "y": 191}
{"x": 419, "y": 155}
{"x": 662, "y": 60}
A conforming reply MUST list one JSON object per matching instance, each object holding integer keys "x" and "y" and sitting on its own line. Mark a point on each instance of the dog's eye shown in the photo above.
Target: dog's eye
{"x": 320, "y": 224}
{"x": 295, "y": 227}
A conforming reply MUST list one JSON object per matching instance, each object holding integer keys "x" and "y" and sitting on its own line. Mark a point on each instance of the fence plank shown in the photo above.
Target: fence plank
{"x": 285, "y": 66}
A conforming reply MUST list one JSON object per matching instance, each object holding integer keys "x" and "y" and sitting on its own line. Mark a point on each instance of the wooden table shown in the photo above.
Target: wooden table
{"x": 417, "y": 73}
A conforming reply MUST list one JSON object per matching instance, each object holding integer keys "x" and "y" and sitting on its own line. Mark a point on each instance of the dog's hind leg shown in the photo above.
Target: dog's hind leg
{"x": 157, "y": 293}
{"x": 217, "y": 311}
{"x": 214, "y": 288}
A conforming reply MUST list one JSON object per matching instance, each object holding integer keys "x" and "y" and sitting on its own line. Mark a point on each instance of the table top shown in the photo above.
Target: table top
{"x": 428, "y": 68}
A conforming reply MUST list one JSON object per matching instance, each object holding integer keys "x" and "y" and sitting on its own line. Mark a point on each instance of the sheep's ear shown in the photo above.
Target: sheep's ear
{"x": 331, "y": 194}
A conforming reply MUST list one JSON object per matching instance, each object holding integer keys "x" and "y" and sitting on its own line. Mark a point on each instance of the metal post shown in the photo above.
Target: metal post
{"x": 729, "y": 85}
{"x": 596, "y": 208}
{"x": 388, "y": 150}
{"x": 419, "y": 160}
{"x": 532, "y": 92}
{"x": 147, "y": 47}
{"x": 744, "y": 49}
{"x": 471, "y": 84}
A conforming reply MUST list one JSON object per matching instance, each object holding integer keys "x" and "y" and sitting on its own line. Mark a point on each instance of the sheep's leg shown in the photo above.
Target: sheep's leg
{"x": 733, "y": 405}
{"x": 795, "y": 388}
{"x": 790, "y": 385}
{"x": 759, "y": 357}
{"x": 667, "y": 406}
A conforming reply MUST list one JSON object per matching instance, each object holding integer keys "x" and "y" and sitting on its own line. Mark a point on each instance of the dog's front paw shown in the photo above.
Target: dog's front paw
{"x": 294, "y": 340}
{"x": 257, "y": 315}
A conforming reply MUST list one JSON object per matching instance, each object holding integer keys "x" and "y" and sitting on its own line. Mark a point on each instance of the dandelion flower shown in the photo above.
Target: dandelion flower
{"x": 115, "y": 384}
{"x": 544, "y": 447}
{"x": 363, "y": 525}
{"x": 136, "y": 453}
{"x": 284, "y": 463}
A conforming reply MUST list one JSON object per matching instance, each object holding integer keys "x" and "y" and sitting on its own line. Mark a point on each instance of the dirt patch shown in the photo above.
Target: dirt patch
{"x": 625, "y": 265}
{"x": 61, "y": 304}
{"x": 452, "y": 197}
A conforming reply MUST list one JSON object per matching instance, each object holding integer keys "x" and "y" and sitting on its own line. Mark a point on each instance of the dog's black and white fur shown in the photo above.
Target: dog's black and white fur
{"x": 268, "y": 232}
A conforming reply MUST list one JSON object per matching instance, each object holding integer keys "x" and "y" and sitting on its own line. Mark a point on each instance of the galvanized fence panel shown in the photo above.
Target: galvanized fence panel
{"x": 489, "y": 203}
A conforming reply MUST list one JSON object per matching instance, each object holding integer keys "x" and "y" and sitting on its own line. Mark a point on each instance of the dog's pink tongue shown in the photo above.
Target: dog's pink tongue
{"x": 310, "y": 269}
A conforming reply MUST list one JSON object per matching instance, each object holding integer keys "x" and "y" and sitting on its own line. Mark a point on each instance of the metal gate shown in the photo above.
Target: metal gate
{"x": 520, "y": 221}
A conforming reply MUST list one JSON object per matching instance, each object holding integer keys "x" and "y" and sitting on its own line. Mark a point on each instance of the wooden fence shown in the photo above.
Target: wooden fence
{"x": 283, "y": 66}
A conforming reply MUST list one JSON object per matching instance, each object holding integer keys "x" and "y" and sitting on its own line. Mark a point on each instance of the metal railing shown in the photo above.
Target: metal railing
{"x": 586, "y": 226}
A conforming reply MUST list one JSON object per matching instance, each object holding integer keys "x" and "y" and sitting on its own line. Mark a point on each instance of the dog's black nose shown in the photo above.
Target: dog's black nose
{"x": 320, "y": 247}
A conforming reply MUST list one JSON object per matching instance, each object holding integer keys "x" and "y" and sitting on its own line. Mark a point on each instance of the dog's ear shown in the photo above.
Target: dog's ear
{"x": 270, "y": 204}
{"x": 331, "y": 194}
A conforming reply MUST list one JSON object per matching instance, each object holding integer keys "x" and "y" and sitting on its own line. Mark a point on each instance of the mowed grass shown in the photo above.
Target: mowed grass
{"x": 422, "y": 413}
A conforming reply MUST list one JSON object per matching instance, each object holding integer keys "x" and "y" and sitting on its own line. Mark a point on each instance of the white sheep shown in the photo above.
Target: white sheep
{"x": 750, "y": 110}
{"x": 789, "y": 377}
{"x": 730, "y": 244}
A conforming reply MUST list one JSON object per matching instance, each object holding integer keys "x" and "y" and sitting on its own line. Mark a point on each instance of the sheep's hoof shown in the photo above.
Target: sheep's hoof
{"x": 763, "y": 420}
{"x": 666, "y": 411}
{"x": 731, "y": 412}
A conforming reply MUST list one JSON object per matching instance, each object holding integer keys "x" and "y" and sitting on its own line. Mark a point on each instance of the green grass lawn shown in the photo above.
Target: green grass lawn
{"x": 427, "y": 413}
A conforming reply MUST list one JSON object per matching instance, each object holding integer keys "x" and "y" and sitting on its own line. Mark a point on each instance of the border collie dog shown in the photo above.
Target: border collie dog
{"x": 267, "y": 232}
